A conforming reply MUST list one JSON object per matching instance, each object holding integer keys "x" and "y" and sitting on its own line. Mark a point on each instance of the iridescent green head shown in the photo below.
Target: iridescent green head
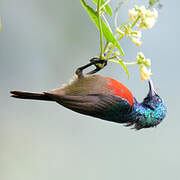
{"x": 151, "y": 111}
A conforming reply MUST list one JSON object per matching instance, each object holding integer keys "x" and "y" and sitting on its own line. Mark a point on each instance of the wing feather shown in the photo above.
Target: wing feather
{"x": 96, "y": 105}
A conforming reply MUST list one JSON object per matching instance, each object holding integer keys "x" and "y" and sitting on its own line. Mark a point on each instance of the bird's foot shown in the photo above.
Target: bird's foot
{"x": 97, "y": 62}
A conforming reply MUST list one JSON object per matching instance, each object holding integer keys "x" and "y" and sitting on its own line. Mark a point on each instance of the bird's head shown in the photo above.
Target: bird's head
{"x": 152, "y": 100}
{"x": 152, "y": 110}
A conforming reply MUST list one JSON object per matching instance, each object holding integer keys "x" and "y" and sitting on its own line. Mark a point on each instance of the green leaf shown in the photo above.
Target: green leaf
{"x": 107, "y": 7}
{"x": 152, "y": 3}
{"x": 124, "y": 67}
{"x": 106, "y": 31}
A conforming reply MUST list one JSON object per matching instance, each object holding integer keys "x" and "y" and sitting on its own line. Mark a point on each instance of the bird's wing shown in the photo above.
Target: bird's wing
{"x": 96, "y": 105}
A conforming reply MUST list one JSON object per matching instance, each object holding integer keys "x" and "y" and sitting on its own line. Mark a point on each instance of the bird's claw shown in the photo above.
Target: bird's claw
{"x": 97, "y": 62}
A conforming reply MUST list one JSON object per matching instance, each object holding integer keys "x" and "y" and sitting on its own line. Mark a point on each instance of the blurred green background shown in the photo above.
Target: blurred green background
{"x": 42, "y": 42}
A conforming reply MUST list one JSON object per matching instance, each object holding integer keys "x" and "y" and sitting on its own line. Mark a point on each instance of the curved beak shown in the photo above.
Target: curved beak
{"x": 151, "y": 88}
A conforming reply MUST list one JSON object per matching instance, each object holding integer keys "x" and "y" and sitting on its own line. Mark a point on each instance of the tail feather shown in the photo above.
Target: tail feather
{"x": 30, "y": 95}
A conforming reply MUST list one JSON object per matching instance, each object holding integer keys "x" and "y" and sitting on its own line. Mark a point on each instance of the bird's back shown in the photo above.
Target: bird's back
{"x": 90, "y": 84}
{"x": 96, "y": 84}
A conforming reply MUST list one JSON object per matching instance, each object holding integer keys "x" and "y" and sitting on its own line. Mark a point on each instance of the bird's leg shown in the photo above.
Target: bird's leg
{"x": 99, "y": 63}
{"x": 79, "y": 71}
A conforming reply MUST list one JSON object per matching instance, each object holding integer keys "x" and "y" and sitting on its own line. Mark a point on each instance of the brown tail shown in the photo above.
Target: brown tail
{"x": 29, "y": 95}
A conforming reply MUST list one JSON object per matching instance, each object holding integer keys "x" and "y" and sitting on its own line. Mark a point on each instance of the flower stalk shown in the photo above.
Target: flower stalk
{"x": 100, "y": 29}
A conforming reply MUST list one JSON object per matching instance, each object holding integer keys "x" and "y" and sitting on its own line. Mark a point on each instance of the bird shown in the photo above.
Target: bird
{"x": 104, "y": 98}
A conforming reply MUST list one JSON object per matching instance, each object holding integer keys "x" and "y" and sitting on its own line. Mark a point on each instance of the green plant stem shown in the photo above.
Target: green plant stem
{"x": 106, "y": 45}
{"x": 130, "y": 63}
{"x": 113, "y": 57}
{"x": 114, "y": 45}
{"x": 111, "y": 60}
{"x": 100, "y": 29}
{"x": 135, "y": 21}
{"x": 125, "y": 23}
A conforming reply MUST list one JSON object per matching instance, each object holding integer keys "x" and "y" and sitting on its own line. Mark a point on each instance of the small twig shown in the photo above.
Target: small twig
{"x": 100, "y": 29}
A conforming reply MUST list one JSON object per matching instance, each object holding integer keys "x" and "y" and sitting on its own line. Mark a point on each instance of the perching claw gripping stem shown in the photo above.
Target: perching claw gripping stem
{"x": 97, "y": 62}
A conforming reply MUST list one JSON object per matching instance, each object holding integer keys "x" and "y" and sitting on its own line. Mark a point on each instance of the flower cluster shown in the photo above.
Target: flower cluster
{"x": 145, "y": 17}
{"x": 133, "y": 34}
{"x": 135, "y": 37}
{"x": 144, "y": 63}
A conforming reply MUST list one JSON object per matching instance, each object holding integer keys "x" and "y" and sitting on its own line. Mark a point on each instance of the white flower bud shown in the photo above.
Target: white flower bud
{"x": 142, "y": 11}
{"x": 145, "y": 73}
{"x": 155, "y": 13}
{"x": 147, "y": 62}
{"x": 133, "y": 14}
{"x": 136, "y": 34}
{"x": 140, "y": 56}
{"x": 136, "y": 41}
{"x": 149, "y": 20}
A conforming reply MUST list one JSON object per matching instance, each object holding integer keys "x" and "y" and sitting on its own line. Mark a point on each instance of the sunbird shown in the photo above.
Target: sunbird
{"x": 104, "y": 98}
